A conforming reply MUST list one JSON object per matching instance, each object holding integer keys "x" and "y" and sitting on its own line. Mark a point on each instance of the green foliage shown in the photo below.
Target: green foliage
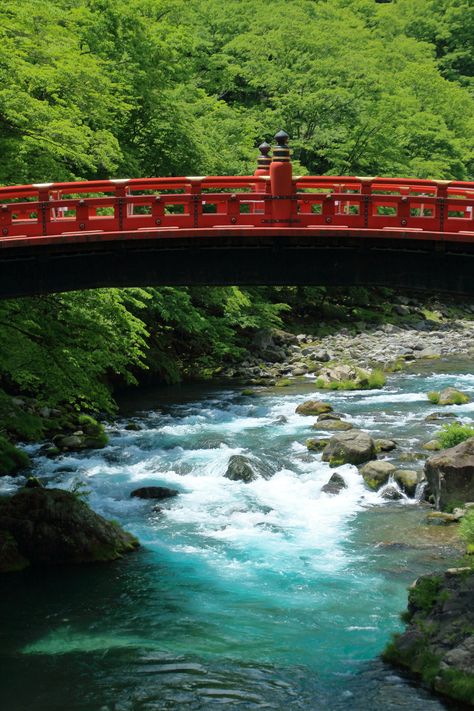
{"x": 80, "y": 490}
{"x": 12, "y": 459}
{"x": 433, "y": 397}
{"x": 452, "y": 434}
{"x": 423, "y": 596}
{"x": 466, "y": 528}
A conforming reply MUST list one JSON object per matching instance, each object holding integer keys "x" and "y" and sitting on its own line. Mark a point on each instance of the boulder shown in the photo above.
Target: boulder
{"x": 334, "y": 425}
{"x": 321, "y": 356}
{"x": 313, "y": 407}
{"x": 51, "y": 527}
{"x": 354, "y": 447}
{"x": 452, "y": 396}
{"x": 436, "y": 416}
{"x": 391, "y": 493}
{"x": 450, "y": 475}
{"x": 407, "y": 480}
{"x": 154, "y": 492}
{"x": 315, "y": 444}
{"x": 335, "y": 484}
{"x": 438, "y": 644}
{"x": 240, "y": 469}
{"x": 329, "y": 416}
{"x": 377, "y": 473}
{"x": 385, "y": 445}
{"x": 90, "y": 436}
{"x": 433, "y": 445}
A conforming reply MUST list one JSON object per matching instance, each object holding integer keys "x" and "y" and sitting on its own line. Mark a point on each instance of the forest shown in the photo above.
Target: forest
{"x": 126, "y": 88}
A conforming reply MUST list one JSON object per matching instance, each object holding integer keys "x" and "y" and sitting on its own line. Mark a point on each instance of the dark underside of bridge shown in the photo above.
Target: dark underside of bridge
{"x": 401, "y": 261}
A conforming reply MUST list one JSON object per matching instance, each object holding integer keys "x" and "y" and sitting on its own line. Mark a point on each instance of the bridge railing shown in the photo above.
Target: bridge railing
{"x": 193, "y": 203}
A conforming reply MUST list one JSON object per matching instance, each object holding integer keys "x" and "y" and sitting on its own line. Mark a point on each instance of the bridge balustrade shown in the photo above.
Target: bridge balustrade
{"x": 405, "y": 207}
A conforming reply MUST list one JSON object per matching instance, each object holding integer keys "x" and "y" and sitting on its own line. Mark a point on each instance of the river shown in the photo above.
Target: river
{"x": 267, "y": 595}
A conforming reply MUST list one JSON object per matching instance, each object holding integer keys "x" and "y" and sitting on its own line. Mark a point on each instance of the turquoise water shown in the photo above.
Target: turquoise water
{"x": 262, "y": 595}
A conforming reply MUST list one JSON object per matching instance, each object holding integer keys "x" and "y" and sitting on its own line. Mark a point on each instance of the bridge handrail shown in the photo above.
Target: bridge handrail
{"x": 132, "y": 205}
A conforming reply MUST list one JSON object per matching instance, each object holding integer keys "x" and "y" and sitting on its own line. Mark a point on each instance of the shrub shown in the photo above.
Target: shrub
{"x": 376, "y": 379}
{"x": 11, "y": 458}
{"x": 433, "y": 397}
{"x": 453, "y": 434}
{"x": 466, "y": 528}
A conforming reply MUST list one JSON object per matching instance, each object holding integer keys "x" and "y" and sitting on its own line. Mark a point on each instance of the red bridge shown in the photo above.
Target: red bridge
{"x": 268, "y": 228}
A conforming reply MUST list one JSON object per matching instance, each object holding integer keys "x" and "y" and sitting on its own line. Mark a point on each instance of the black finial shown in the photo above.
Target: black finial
{"x": 264, "y": 160}
{"x": 282, "y": 138}
{"x": 281, "y": 152}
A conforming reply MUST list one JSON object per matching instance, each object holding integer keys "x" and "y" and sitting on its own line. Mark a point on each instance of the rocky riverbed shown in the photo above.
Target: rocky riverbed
{"x": 282, "y": 355}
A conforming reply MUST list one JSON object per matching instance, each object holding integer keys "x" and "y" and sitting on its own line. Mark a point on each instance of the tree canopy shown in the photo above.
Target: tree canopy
{"x": 112, "y": 88}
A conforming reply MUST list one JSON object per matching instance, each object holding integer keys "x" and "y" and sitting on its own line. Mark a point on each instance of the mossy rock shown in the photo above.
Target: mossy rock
{"x": 53, "y": 527}
{"x": 283, "y": 383}
{"x": 385, "y": 445}
{"x": 313, "y": 407}
{"x": 448, "y": 396}
{"x": 407, "y": 480}
{"x": 315, "y": 444}
{"x": 12, "y": 459}
{"x": 432, "y": 446}
{"x": 377, "y": 473}
{"x": 333, "y": 425}
{"x": 438, "y": 644}
{"x": 353, "y": 447}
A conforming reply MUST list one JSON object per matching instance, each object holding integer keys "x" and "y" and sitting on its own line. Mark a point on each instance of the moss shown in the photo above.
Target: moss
{"x": 336, "y": 462}
{"x": 282, "y": 383}
{"x": 416, "y": 657}
{"x": 375, "y": 380}
{"x": 316, "y": 445}
{"x": 423, "y": 596}
{"x": 433, "y": 397}
{"x": 248, "y": 392}
{"x": 12, "y": 459}
{"x": 456, "y": 684}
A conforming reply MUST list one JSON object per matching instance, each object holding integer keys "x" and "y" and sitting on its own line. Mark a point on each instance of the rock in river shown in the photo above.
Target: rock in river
{"x": 377, "y": 473}
{"x": 450, "y": 475}
{"x": 354, "y": 447}
{"x": 335, "y": 425}
{"x": 240, "y": 469}
{"x": 51, "y": 527}
{"x": 313, "y": 407}
{"x": 407, "y": 480}
{"x": 335, "y": 484}
{"x": 154, "y": 492}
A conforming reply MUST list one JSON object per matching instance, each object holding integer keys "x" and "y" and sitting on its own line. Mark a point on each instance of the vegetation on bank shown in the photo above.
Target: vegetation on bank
{"x": 435, "y": 646}
{"x": 452, "y": 434}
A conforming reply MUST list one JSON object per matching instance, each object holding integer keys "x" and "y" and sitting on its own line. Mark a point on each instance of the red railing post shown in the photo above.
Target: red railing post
{"x": 366, "y": 192}
{"x": 195, "y": 206}
{"x": 281, "y": 181}
{"x": 44, "y": 210}
{"x": 442, "y": 202}
{"x": 404, "y": 206}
